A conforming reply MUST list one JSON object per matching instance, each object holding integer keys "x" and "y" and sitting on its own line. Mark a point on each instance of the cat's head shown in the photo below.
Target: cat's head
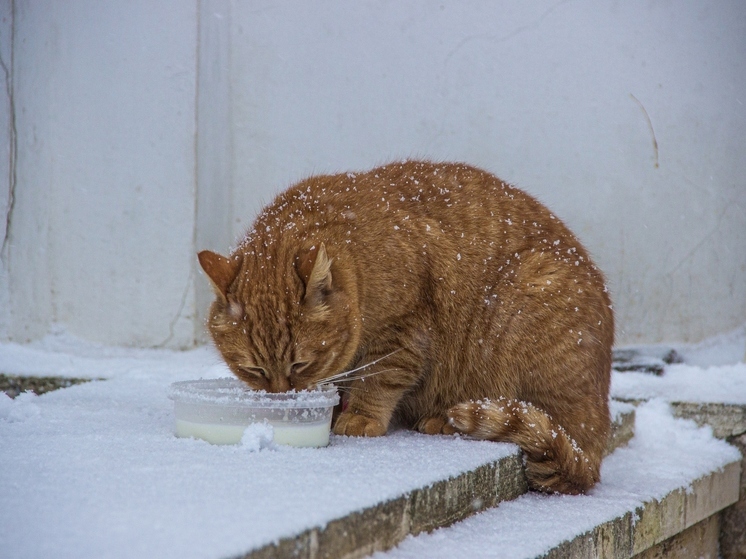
{"x": 283, "y": 325}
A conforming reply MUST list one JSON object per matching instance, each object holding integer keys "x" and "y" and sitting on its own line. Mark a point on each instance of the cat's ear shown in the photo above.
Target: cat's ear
{"x": 221, "y": 270}
{"x": 315, "y": 269}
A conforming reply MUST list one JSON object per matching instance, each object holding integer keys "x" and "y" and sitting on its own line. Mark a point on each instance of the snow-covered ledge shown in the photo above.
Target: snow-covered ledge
{"x": 95, "y": 468}
{"x": 669, "y": 478}
{"x": 707, "y": 384}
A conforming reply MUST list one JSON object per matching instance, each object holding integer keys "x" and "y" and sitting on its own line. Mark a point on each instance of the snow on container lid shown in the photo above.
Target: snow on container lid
{"x": 233, "y": 392}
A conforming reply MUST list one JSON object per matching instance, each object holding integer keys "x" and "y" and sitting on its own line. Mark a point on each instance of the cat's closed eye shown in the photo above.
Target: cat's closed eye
{"x": 298, "y": 368}
{"x": 256, "y": 372}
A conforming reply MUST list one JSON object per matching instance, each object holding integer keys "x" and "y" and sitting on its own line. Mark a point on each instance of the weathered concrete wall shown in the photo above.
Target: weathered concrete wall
{"x": 103, "y": 223}
{"x": 627, "y": 119}
{"x": 700, "y": 540}
{"x": 7, "y": 152}
{"x": 147, "y": 130}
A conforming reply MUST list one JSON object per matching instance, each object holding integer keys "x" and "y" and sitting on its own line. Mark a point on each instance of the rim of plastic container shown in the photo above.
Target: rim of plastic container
{"x": 230, "y": 391}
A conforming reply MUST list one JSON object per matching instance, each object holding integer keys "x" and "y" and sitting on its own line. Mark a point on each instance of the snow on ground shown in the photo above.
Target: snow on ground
{"x": 725, "y": 349}
{"x": 95, "y": 471}
{"x": 665, "y": 454}
{"x": 713, "y": 371}
{"x": 685, "y": 383}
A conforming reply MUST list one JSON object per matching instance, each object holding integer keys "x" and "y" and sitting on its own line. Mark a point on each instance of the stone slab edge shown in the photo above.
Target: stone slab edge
{"x": 622, "y": 431}
{"x": 656, "y": 520}
{"x": 13, "y": 385}
{"x": 382, "y": 526}
{"x": 441, "y": 504}
{"x": 726, "y": 420}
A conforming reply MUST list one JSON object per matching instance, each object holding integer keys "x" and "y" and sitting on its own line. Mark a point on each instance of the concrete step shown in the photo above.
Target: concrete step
{"x": 13, "y": 385}
{"x": 650, "y": 359}
{"x": 659, "y": 495}
{"x": 726, "y": 420}
{"x": 194, "y": 500}
{"x": 719, "y": 403}
{"x": 424, "y": 509}
{"x": 638, "y": 530}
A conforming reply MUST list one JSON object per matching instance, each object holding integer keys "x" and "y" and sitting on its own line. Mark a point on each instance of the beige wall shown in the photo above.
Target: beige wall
{"x": 147, "y": 130}
{"x": 562, "y": 99}
{"x": 103, "y": 221}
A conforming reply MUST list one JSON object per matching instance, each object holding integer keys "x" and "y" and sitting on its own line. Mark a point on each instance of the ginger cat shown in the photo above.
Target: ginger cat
{"x": 435, "y": 295}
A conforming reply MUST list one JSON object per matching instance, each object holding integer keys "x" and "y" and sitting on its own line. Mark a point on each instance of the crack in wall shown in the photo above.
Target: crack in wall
{"x": 504, "y": 38}
{"x": 650, "y": 126}
{"x": 172, "y": 324}
{"x": 13, "y": 137}
{"x": 692, "y": 251}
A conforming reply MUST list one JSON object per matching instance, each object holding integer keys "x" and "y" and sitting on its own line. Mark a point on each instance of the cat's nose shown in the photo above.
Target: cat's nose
{"x": 299, "y": 385}
{"x": 280, "y": 383}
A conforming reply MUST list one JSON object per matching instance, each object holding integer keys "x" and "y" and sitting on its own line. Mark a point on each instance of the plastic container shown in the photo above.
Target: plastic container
{"x": 219, "y": 410}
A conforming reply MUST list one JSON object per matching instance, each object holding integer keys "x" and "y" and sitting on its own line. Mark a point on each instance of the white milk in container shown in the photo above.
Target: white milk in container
{"x": 219, "y": 410}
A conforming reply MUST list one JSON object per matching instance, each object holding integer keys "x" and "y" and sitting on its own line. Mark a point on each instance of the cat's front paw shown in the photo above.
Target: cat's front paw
{"x": 435, "y": 426}
{"x": 356, "y": 425}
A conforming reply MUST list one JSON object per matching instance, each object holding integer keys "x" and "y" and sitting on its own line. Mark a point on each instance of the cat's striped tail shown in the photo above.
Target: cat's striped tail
{"x": 554, "y": 461}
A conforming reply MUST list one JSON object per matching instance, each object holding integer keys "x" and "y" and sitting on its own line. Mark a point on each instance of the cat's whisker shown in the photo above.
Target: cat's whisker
{"x": 350, "y": 378}
{"x": 339, "y": 376}
{"x": 345, "y": 374}
{"x": 367, "y": 364}
{"x": 364, "y": 376}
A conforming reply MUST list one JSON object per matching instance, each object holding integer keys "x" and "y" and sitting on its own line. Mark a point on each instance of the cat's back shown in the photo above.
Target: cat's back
{"x": 446, "y": 220}
{"x": 410, "y": 198}
{"x": 449, "y": 192}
